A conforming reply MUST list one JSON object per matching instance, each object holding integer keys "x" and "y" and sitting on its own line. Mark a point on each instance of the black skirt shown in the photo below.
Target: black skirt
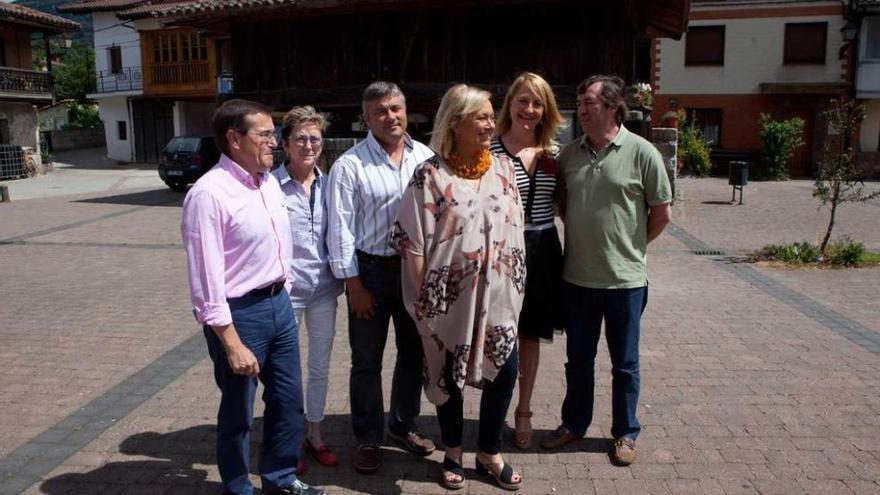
{"x": 542, "y": 309}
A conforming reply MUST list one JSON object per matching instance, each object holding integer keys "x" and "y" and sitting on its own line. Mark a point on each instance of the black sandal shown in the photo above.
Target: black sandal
{"x": 504, "y": 480}
{"x": 455, "y": 469}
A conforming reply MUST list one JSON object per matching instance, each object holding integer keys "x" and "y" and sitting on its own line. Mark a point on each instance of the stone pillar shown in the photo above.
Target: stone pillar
{"x": 665, "y": 139}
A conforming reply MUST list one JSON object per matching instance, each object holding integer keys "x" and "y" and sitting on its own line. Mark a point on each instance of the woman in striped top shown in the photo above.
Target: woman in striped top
{"x": 526, "y": 130}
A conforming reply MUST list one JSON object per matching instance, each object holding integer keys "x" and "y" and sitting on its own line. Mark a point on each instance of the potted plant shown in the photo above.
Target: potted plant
{"x": 639, "y": 95}
{"x": 672, "y": 118}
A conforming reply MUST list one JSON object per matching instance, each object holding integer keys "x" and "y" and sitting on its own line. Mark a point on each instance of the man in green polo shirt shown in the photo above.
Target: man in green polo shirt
{"x": 618, "y": 200}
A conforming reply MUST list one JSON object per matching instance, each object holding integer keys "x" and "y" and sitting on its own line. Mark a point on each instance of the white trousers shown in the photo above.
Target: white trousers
{"x": 320, "y": 323}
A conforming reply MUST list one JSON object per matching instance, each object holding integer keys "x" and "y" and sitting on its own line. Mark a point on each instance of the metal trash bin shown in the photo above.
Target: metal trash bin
{"x": 738, "y": 176}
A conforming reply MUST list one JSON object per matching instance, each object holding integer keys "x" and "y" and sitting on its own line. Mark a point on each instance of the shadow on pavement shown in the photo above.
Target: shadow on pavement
{"x": 725, "y": 203}
{"x": 174, "y": 457}
{"x": 176, "y": 452}
{"x": 94, "y": 159}
{"x": 154, "y": 197}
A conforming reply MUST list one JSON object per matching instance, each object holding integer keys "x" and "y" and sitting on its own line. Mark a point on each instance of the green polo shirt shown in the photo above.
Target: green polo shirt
{"x": 606, "y": 219}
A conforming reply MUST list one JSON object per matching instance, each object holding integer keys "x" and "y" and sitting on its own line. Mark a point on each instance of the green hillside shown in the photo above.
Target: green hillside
{"x": 84, "y": 35}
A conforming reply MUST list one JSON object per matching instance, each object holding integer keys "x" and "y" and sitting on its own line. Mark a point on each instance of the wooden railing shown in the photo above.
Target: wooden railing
{"x": 25, "y": 81}
{"x": 181, "y": 74}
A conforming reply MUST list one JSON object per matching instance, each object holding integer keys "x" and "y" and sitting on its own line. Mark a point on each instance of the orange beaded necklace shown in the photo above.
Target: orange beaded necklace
{"x": 470, "y": 170}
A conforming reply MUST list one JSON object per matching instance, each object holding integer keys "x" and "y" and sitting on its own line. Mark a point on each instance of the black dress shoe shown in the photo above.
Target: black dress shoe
{"x": 296, "y": 488}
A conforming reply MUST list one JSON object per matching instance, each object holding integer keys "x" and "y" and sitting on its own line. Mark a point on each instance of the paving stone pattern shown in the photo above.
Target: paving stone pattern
{"x": 754, "y": 379}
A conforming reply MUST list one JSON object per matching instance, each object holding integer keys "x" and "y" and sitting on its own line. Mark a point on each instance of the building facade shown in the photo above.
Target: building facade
{"x": 22, "y": 89}
{"x": 152, "y": 83}
{"x": 324, "y": 52}
{"x": 864, "y": 28}
{"x": 742, "y": 58}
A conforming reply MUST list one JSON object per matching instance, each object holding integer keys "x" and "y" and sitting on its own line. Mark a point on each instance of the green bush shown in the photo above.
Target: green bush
{"x": 82, "y": 117}
{"x": 779, "y": 139}
{"x": 798, "y": 252}
{"x": 843, "y": 253}
{"x": 693, "y": 149}
{"x": 846, "y": 253}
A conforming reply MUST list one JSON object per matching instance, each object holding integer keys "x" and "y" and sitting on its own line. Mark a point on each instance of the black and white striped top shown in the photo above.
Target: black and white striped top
{"x": 536, "y": 191}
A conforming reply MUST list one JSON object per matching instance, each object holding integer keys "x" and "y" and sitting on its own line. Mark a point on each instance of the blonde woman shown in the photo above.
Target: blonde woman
{"x": 459, "y": 233}
{"x": 526, "y": 132}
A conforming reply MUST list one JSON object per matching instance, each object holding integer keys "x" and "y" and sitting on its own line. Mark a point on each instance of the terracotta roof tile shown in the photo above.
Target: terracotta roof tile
{"x": 86, "y": 6}
{"x": 19, "y": 14}
{"x": 183, "y": 8}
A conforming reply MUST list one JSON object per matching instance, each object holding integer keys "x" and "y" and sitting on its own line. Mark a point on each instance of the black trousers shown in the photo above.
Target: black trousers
{"x": 367, "y": 339}
{"x": 494, "y": 403}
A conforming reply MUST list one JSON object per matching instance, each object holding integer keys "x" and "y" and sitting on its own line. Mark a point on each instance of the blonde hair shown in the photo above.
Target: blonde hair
{"x": 459, "y": 101}
{"x": 551, "y": 120}
{"x": 299, "y": 116}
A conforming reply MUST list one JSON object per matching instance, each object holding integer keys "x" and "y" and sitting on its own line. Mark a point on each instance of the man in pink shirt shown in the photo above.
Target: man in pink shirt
{"x": 237, "y": 239}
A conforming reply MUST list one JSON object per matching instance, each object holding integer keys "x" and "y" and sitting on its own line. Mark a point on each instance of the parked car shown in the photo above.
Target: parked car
{"x": 185, "y": 159}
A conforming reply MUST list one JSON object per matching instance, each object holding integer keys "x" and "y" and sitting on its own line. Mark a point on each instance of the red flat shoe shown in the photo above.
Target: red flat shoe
{"x": 323, "y": 454}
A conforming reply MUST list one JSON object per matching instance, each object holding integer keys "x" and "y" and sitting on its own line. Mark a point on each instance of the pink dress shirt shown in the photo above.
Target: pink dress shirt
{"x": 237, "y": 238}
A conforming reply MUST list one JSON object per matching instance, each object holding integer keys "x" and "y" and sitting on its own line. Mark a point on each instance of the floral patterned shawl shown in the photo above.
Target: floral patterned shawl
{"x": 471, "y": 243}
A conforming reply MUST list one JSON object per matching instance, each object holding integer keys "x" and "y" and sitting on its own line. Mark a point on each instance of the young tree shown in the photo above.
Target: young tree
{"x": 839, "y": 179}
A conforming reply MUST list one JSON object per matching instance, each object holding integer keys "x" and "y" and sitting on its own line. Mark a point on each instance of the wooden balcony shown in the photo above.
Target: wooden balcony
{"x": 194, "y": 78}
{"x": 25, "y": 84}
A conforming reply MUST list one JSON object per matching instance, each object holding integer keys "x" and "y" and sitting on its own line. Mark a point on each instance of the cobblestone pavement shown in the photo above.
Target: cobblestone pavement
{"x": 755, "y": 379}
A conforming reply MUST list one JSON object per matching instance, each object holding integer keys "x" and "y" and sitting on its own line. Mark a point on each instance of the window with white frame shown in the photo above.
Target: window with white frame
{"x": 871, "y": 45}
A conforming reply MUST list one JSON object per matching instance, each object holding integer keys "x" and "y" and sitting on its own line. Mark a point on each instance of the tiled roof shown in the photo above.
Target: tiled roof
{"x": 86, "y": 6}
{"x": 19, "y": 14}
{"x": 667, "y": 17}
{"x": 203, "y": 6}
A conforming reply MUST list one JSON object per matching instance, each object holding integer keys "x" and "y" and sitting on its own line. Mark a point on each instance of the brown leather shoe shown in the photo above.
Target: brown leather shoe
{"x": 413, "y": 441}
{"x": 367, "y": 458}
{"x": 559, "y": 438}
{"x": 624, "y": 452}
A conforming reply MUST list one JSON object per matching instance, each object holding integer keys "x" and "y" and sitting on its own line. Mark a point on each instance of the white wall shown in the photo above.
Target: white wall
{"x": 112, "y": 110}
{"x": 869, "y": 134}
{"x": 753, "y": 50}
{"x": 110, "y": 31}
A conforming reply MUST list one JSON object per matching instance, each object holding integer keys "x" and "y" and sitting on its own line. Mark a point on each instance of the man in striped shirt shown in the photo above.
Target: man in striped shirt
{"x": 366, "y": 184}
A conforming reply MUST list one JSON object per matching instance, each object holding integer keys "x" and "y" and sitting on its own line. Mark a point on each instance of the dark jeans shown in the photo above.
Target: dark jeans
{"x": 494, "y": 403}
{"x": 367, "y": 339}
{"x": 622, "y": 311}
{"x": 267, "y": 327}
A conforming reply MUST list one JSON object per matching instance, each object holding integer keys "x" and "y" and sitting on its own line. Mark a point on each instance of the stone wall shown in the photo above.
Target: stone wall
{"x": 70, "y": 139}
{"x": 23, "y": 123}
{"x": 665, "y": 139}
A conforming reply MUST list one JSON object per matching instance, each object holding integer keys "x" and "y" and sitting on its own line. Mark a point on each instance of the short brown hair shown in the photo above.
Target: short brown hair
{"x": 233, "y": 114}
{"x": 300, "y": 116}
{"x": 611, "y": 93}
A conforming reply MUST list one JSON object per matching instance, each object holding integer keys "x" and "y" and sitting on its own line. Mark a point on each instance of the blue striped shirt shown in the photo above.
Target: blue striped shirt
{"x": 364, "y": 194}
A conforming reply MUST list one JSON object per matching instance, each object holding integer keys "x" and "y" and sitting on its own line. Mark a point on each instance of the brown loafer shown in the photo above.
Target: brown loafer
{"x": 367, "y": 458}
{"x": 559, "y": 438}
{"x": 624, "y": 452}
{"x": 413, "y": 441}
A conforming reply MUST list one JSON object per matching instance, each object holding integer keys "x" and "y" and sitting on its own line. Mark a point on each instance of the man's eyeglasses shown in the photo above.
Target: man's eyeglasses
{"x": 264, "y": 137}
{"x": 302, "y": 140}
